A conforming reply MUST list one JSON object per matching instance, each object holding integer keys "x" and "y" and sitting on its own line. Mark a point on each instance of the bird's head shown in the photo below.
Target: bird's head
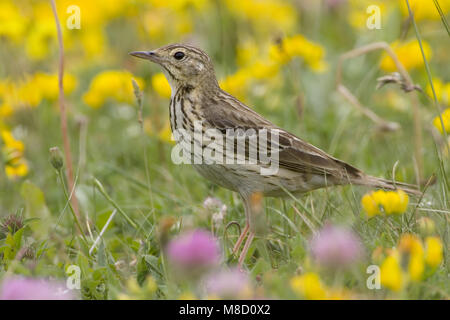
{"x": 182, "y": 65}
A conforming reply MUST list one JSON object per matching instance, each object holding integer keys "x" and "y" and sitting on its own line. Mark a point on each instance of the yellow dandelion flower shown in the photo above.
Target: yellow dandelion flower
{"x": 308, "y": 286}
{"x": 408, "y": 53}
{"x": 161, "y": 85}
{"x": 434, "y": 251}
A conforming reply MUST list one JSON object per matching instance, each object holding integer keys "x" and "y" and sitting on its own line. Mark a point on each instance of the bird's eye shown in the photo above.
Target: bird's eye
{"x": 178, "y": 55}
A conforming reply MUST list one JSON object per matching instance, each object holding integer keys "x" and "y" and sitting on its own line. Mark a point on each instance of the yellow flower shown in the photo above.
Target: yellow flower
{"x": 410, "y": 246}
{"x": 308, "y": 286}
{"x": 13, "y": 23}
{"x": 408, "y": 53}
{"x": 416, "y": 267}
{"x": 370, "y": 205}
{"x": 236, "y": 84}
{"x": 391, "y": 201}
{"x": 358, "y": 15}
{"x": 391, "y": 273}
{"x": 19, "y": 170}
{"x": 442, "y": 90}
{"x": 47, "y": 84}
{"x": 425, "y": 9}
{"x": 263, "y": 69}
{"x": 15, "y": 165}
{"x": 298, "y": 46}
{"x": 396, "y": 202}
{"x": 28, "y": 94}
{"x": 161, "y": 86}
{"x": 445, "y": 118}
{"x": 111, "y": 84}
{"x": 265, "y": 15}
{"x": 93, "y": 42}
{"x": 38, "y": 40}
{"x": 434, "y": 251}
{"x": 5, "y": 110}
{"x": 155, "y": 25}
{"x": 10, "y": 142}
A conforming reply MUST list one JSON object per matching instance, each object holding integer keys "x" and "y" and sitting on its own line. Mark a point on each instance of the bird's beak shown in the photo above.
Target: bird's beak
{"x": 148, "y": 55}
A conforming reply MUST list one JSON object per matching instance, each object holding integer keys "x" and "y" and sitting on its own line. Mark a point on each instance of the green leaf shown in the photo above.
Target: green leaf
{"x": 18, "y": 238}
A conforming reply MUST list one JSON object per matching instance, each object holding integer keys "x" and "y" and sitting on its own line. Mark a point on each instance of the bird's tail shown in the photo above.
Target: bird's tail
{"x": 387, "y": 184}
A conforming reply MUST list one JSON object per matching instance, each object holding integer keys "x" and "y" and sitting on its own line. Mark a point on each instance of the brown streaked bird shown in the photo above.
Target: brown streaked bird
{"x": 196, "y": 96}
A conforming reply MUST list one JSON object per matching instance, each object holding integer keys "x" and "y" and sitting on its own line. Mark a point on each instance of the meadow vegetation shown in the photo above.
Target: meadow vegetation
{"x": 280, "y": 58}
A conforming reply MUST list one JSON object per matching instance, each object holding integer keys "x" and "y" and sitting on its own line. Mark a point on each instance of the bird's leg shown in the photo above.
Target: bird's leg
{"x": 241, "y": 237}
{"x": 247, "y": 229}
{"x": 247, "y": 244}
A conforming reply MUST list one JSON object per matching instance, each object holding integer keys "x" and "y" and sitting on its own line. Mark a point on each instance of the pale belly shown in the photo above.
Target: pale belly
{"x": 247, "y": 179}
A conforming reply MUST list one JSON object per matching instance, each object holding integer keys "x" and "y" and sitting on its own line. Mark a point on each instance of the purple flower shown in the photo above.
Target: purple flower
{"x": 228, "y": 284}
{"x": 194, "y": 249}
{"x": 336, "y": 247}
{"x": 20, "y": 288}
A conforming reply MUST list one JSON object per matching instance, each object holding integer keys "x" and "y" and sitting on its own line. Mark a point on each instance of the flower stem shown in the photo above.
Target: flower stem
{"x": 66, "y": 194}
{"x": 115, "y": 205}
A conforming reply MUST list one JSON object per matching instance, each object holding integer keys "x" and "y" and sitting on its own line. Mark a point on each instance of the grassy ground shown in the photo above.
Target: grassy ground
{"x": 135, "y": 168}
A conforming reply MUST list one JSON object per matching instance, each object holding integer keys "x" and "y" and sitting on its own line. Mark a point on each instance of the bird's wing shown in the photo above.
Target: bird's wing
{"x": 293, "y": 153}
